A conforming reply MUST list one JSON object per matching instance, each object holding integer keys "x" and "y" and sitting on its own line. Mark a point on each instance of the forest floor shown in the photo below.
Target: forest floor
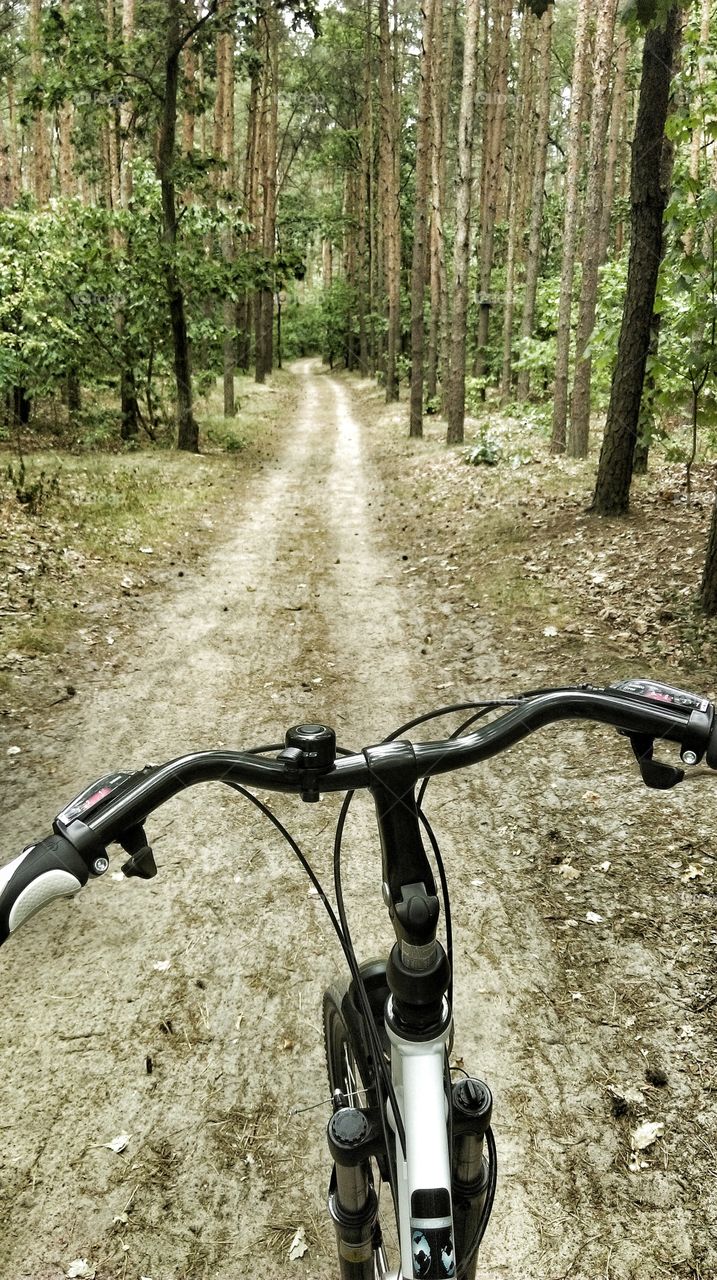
{"x": 331, "y": 569}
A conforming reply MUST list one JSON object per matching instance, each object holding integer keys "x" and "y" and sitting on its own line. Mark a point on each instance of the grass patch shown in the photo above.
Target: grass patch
{"x": 80, "y": 533}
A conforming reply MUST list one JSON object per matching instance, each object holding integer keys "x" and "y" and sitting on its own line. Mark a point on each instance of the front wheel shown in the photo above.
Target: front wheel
{"x": 351, "y": 1072}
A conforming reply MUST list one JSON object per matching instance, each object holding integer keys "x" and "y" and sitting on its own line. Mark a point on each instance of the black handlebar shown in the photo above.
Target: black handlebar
{"x": 117, "y": 811}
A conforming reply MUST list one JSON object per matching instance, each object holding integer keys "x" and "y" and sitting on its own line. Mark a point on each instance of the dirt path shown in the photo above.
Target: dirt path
{"x": 186, "y": 1013}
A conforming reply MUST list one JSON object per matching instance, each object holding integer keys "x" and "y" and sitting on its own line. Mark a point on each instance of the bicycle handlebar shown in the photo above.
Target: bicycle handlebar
{"x": 116, "y": 811}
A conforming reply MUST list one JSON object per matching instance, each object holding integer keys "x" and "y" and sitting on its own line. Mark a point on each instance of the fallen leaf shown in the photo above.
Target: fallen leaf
{"x": 646, "y": 1134}
{"x": 298, "y": 1246}
{"x": 117, "y": 1144}
{"x": 80, "y": 1269}
{"x": 691, "y": 872}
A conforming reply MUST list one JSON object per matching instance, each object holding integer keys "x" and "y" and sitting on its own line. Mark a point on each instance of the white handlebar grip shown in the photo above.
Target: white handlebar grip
{"x": 50, "y": 869}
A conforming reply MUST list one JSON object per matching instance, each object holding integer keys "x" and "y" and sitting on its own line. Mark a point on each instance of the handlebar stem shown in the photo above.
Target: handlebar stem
{"x": 408, "y": 884}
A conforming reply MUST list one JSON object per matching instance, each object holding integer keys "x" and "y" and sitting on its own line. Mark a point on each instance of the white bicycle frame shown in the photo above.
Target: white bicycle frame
{"x": 418, "y": 1074}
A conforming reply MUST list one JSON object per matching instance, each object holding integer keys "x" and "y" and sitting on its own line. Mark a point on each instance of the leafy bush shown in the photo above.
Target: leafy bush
{"x": 486, "y": 452}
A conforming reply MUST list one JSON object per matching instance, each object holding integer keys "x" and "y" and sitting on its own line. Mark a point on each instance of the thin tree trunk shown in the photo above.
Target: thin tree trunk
{"x": 224, "y": 135}
{"x": 493, "y": 168}
{"x": 189, "y": 117}
{"x": 570, "y": 230}
{"x": 649, "y": 185}
{"x": 532, "y": 263}
{"x": 40, "y": 140}
{"x": 444, "y": 354}
{"x": 389, "y": 199}
{"x": 245, "y": 322}
{"x": 613, "y": 141}
{"x": 420, "y": 220}
{"x": 7, "y": 184}
{"x": 12, "y": 176}
{"x": 435, "y": 240}
{"x": 521, "y": 152}
{"x": 265, "y": 309}
{"x": 599, "y": 120}
{"x": 187, "y": 430}
{"x": 698, "y": 90}
{"x": 461, "y": 252}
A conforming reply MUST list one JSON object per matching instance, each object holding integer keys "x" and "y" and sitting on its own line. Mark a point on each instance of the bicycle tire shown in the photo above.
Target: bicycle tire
{"x": 351, "y": 1071}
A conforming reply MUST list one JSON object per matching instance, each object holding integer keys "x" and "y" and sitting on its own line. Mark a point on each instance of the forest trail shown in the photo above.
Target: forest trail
{"x": 186, "y": 1013}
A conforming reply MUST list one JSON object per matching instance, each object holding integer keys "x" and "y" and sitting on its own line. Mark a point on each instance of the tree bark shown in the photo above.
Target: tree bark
{"x": 437, "y": 203}
{"x": 493, "y": 169}
{"x": 420, "y": 219}
{"x": 570, "y": 230}
{"x": 649, "y": 189}
{"x": 522, "y": 152}
{"x": 613, "y": 142}
{"x": 187, "y": 429}
{"x": 599, "y": 120}
{"x": 246, "y": 313}
{"x": 224, "y": 146}
{"x": 540, "y": 157}
{"x": 264, "y": 313}
{"x": 389, "y": 199}
{"x": 455, "y": 404}
{"x": 40, "y": 140}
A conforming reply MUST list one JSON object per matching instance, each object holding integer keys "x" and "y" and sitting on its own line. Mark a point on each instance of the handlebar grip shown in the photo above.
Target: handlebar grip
{"x": 50, "y": 869}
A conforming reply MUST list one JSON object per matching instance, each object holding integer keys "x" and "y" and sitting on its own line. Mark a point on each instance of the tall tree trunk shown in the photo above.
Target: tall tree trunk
{"x": 7, "y": 183}
{"x": 429, "y": 9}
{"x": 570, "y": 229}
{"x": 113, "y": 126}
{"x": 129, "y": 408}
{"x": 189, "y": 114}
{"x": 9, "y": 146}
{"x": 599, "y": 119}
{"x": 649, "y": 189}
{"x": 437, "y": 206}
{"x": 224, "y": 147}
{"x": 40, "y": 140}
{"x": 389, "y": 199}
{"x": 520, "y": 160}
{"x": 493, "y": 167}
{"x": 187, "y": 430}
{"x": 444, "y": 355}
{"x": 696, "y": 140}
{"x": 246, "y": 315}
{"x": 126, "y": 123}
{"x": 456, "y": 399}
{"x": 613, "y": 141}
{"x": 540, "y": 156}
{"x": 265, "y": 310}
{"x": 624, "y": 165}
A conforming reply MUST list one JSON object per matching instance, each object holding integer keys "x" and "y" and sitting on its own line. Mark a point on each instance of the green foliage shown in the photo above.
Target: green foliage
{"x": 32, "y": 491}
{"x": 486, "y": 452}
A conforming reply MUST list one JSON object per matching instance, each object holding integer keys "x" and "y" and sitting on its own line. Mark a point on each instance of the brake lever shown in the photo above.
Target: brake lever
{"x": 141, "y": 861}
{"x": 655, "y": 773}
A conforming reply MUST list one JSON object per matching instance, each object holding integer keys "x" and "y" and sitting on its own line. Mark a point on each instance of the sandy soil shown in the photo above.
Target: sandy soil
{"x": 186, "y": 1013}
